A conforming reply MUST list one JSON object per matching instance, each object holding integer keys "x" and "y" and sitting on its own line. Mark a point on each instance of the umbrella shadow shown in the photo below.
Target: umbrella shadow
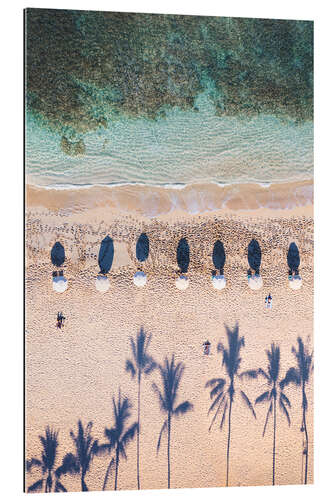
{"x": 219, "y": 256}
{"x": 293, "y": 258}
{"x": 58, "y": 254}
{"x": 254, "y": 256}
{"x": 142, "y": 247}
{"x": 106, "y": 254}
{"x": 183, "y": 255}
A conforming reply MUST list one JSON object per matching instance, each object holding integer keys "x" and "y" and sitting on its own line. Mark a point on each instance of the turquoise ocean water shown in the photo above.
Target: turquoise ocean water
{"x": 160, "y": 100}
{"x": 184, "y": 147}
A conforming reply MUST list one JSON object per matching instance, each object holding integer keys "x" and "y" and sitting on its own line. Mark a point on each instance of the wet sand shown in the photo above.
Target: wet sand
{"x": 73, "y": 373}
{"x": 154, "y": 201}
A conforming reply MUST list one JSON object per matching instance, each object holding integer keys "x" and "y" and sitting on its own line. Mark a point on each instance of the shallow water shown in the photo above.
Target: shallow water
{"x": 184, "y": 147}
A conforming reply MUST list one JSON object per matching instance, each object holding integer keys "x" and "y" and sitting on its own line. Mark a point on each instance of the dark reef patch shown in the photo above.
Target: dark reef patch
{"x": 85, "y": 69}
{"x": 72, "y": 148}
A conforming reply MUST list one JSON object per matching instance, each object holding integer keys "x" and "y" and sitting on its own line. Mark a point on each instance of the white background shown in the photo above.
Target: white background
{"x": 11, "y": 246}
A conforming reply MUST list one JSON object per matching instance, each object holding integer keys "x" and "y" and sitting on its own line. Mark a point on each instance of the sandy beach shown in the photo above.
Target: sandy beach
{"x": 157, "y": 146}
{"x": 154, "y": 201}
{"x": 73, "y": 373}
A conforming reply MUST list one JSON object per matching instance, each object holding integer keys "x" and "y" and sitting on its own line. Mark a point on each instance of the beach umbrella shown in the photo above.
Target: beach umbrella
{"x": 219, "y": 282}
{"x": 102, "y": 283}
{"x": 255, "y": 282}
{"x": 58, "y": 254}
{"x": 218, "y": 256}
{"x": 60, "y": 284}
{"x": 296, "y": 282}
{"x": 105, "y": 256}
{"x": 254, "y": 255}
{"x": 183, "y": 255}
{"x": 293, "y": 257}
{"x": 182, "y": 282}
{"x": 140, "y": 278}
{"x": 142, "y": 247}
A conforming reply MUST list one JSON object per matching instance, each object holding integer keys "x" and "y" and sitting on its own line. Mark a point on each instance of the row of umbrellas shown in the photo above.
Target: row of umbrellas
{"x": 106, "y": 255}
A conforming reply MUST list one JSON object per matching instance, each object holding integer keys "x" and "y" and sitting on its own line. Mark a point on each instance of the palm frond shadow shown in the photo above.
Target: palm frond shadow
{"x": 167, "y": 394}
{"x": 299, "y": 375}
{"x": 85, "y": 450}
{"x": 50, "y": 476}
{"x": 140, "y": 364}
{"x": 118, "y": 436}
{"x": 273, "y": 394}
{"x": 223, "y": 390}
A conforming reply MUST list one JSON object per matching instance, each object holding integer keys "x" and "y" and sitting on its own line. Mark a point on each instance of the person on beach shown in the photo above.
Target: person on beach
{"x": 206, "y": 346}
{"x": 268, "y": 301}
{"x": 60, "y": 319}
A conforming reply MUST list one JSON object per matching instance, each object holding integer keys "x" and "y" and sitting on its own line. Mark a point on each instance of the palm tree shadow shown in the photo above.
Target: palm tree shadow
{"x": 273, "y": 396}
{"x": 142, "y": 247}
{"x": 293, "y": 258}
{"x": 254, "y": 256}
{"x": 224, "y": 390}
{"x": 183, "y": 255}
{"x": 58, "y": 254}
{"x": 300, "y": 376}
{"x": 171, "y": 374}
{"x": 105, "y": 256}
{"x": 141, "y": 364}
{"x": 86, "y": 448}
{"x": 219, "y": 256}
{"x": 118, "y": 436}
{"x": 49, "y": 480}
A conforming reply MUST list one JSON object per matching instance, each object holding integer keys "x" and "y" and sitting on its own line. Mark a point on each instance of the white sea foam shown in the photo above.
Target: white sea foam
{"x": 153, "y": 201}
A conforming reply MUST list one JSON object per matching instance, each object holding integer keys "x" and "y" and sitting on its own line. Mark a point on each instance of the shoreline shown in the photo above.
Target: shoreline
{"x": 195, "y": 199}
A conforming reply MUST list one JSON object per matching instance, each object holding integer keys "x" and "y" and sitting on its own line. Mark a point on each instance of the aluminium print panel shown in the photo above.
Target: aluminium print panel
{"x": 169, "y": 251}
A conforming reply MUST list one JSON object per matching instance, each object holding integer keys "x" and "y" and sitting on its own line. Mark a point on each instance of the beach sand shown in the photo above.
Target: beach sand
{"x": 153, "y": 201}
{"x": 73, "y": 373}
